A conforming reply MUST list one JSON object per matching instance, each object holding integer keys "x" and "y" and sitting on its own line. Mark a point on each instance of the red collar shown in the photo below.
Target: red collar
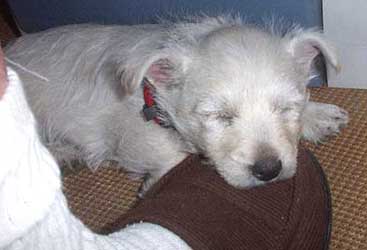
{"x": 151, "y": 110}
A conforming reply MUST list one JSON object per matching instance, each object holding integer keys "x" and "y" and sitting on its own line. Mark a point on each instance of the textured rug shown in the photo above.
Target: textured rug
{"x": 344, "y": 159}
{"x": 100, "y": 197}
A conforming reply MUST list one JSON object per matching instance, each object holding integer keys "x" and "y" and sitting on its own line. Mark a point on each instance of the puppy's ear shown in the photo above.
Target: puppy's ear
{"x": 159, "y": 70}
{"x": 304, "y": 46}
{"x": 162, "y": 72}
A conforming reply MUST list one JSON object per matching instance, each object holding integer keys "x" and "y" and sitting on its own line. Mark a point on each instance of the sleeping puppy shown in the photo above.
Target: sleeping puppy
{"x": 146, "y": 96}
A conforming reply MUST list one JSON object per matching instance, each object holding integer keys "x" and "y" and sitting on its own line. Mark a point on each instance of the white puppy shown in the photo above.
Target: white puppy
{"x": 232, "y": 92}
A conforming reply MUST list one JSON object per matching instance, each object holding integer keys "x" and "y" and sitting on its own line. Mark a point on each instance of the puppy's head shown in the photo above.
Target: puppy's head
{"x": 237, "y": 95}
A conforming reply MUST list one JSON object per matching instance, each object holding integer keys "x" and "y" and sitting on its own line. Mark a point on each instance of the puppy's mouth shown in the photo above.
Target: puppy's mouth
{"x": 250, "y": 176}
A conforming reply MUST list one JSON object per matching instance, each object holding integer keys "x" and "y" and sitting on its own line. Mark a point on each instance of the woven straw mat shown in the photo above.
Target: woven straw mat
{"x": 100, "y": 197}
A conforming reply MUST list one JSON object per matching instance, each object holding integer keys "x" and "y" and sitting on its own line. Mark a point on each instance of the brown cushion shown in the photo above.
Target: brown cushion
{"x": 193, "y": 201}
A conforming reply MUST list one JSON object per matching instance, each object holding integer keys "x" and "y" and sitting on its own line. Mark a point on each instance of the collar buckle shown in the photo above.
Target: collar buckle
{"x": 151, "y": 110}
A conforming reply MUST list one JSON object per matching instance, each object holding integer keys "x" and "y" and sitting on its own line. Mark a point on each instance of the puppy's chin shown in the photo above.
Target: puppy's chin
{"x": 244, "y": 179}
{"x": 240, "y": 179}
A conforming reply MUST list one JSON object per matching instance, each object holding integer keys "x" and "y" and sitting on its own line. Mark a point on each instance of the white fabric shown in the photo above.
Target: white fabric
{"x": 33, "y": 210}
{"x": 27, "y": 188}
{"x": 60, "y": 230}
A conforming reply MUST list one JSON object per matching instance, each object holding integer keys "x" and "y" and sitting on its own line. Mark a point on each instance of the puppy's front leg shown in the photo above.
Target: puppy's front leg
{"x": 150, "y": 180}
{"x": 320, "y": 120}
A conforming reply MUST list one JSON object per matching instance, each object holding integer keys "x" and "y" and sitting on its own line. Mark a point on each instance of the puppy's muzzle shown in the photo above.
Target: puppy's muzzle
{"x": 266, "y": 169}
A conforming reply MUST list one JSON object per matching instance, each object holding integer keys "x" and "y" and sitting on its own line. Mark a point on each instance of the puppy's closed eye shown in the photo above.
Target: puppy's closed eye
{"x": 285, "y": 107}
{"x": 223, "y": 117}
{"x": 226, "y": 118}
{"x": 285, "y": 110}
{"x": 223, "y": 113}
{"x": 291, "y": 112}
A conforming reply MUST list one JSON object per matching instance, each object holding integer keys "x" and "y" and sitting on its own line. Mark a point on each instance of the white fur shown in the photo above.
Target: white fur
{"x": 230, "y": 90}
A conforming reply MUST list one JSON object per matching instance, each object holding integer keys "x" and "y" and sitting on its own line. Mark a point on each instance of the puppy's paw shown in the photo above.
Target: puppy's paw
{"x": 322, "y": 120}
{"x": 149, "y": 181}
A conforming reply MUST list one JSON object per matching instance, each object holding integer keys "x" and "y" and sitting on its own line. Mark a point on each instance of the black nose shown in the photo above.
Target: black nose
{"x": 267, "y": 169}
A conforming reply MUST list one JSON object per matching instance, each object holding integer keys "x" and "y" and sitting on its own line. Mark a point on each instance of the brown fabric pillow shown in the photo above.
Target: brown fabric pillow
{"x": 194, "y": 202}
